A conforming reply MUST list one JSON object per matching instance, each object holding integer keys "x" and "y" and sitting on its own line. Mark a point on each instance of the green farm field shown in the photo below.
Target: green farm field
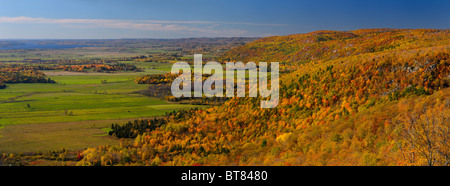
{"x": 76, "y": 112}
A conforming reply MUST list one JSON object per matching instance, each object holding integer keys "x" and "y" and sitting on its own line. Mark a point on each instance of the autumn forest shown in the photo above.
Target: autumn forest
{"x": 368, "y": 97}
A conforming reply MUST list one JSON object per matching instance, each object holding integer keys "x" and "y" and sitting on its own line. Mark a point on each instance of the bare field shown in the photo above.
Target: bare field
{"x": 67, "y": 73}
{"x": 45, "y": 137}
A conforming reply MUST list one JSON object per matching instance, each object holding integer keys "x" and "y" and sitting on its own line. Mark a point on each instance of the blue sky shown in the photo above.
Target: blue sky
{"x": 110, "y": 19}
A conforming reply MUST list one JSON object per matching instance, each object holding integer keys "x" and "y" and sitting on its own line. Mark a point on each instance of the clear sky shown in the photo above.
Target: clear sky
{"x": 110, "y": 19}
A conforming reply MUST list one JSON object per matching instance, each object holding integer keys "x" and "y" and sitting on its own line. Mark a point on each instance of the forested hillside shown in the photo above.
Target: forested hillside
{"x": 363, "y": 97}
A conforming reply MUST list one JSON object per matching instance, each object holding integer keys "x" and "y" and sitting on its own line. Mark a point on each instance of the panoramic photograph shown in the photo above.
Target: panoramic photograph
{"x": 248, "y": 85}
